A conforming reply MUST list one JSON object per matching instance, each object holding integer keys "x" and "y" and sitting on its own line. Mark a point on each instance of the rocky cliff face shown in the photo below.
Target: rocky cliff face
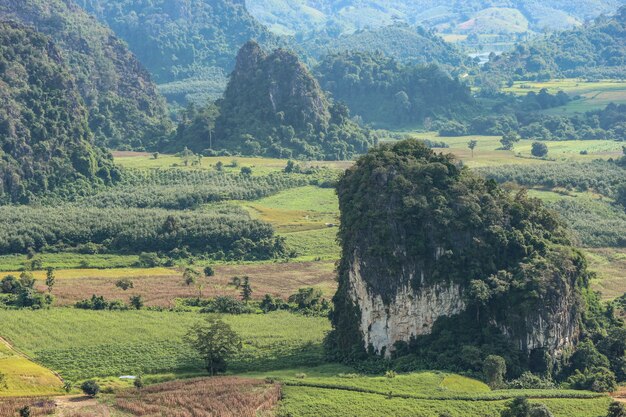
{"x": 430, "y": 252}
{"x": 274, "y": 106}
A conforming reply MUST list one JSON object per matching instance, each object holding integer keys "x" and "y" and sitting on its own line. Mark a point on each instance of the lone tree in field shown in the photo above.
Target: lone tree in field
{"x": 617, "y": 410}
{"x": 136, "y": 302}
{"x": 125, "y": 284}
{"x": 3, "y": 381}
{"x": 494, "y": 369}
{"x": 509, "y": 140}
{"x": 190, "y": 276}
{"x": 539, "y": 149}
{"x": 246, "y": 290}
{"x": 50, "y": 278}
{"x": 90, "y": 388}
{"x": 471, "y": 145}
{"x": 215, "y": 341}
{"x": 209, "y": 271}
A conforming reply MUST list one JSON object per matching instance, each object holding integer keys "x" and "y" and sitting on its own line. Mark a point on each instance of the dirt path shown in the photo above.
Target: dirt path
{"x": 620, "y": 395}
{"x": 79, "y": 405}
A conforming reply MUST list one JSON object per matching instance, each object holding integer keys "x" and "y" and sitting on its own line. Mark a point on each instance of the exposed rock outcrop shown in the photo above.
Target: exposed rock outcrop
{"x": 428, "y": 247}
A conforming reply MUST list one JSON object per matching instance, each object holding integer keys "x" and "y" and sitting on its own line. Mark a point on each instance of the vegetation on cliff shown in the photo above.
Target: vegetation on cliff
{"x": 45, "y": 141}
{"x": 273, "y": 106}
{"x": 418, "y": 219}
{"x": 124, "y": 107}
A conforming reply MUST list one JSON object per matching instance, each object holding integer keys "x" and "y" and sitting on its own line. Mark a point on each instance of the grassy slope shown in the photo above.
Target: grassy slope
{"x": 24, "y": 377}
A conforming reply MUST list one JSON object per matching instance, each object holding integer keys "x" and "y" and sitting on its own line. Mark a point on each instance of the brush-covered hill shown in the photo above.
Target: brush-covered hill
{"x": 125, "y": 109}
{"x": 274, "y": 106}
{"x": 596, "y": 50}
{"x": 183, "y": 39}
{"x": 474, "y": 16}
{"x": 385, "y": 92}
{"x": 441, "y": 268}
{"x": 45, "y": 141}
{"x": 399, "y": 41}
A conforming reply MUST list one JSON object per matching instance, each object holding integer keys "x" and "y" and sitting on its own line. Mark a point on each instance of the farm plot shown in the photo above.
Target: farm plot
{"x": 83, "y": 344}
{"x": 24, "y": 377}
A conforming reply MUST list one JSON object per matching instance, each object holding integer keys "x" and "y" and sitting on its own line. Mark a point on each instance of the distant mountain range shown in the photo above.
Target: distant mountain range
{"x": 449, "y": 16}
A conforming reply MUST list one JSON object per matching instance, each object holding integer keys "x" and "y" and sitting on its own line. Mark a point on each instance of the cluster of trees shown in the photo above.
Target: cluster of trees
{"x": 45, "y": 141}
{"x": 308, "y": 301}
{"x": 509, "y": 253}
{"x": 385, "y": 92}
{"x": 273, "y": 106}
{"x": 21, "y": 293}
{"x": 124, "y": 107}
{"x": 222, "y": 234}
{"x": 608, "y": 123}
{"x": 100, "y": 303}
{"x": 596, "y": 50}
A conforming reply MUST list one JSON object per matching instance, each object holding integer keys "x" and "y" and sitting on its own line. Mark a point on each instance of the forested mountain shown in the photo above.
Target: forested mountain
{"x": 125, "y": 109}
{"x": 383, "y": 91}
{"x": 400, "y": 41}
{"x": 274, "y": 106}
{"x": 437, "y": 262}
{"x": 594, "y": 50}
{"x": 475, "y": 16}
{"x": 181, "y": 39}
{"x": 45, "y": 141}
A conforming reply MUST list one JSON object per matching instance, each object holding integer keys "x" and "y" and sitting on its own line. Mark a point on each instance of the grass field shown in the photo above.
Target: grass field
{"x": 68, "y": 261}
{"x": 320, "y": 402}
{"x": 487, "y": 154}
{"x": 260, "y": 166}
{"x": 610, "y": 267}
{"x": 82, "y": 344}
{"x": 593, "y": 95}
{"x": 331, "y": 390}
{"x": 306, "y": 217}
{"x": 24, "y": 377}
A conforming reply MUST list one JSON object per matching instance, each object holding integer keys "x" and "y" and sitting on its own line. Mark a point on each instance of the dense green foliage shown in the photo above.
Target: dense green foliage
{"x": 222, "y": 234}
{"x": 124, "y": 106}
{"x": 182, "y": 40}
{"x": 45, "y": 142}
{"x": 273, "y": 106}
{"x": 406, "y": 44}
{"x": 608, "y": 123}
{"x": 508, "y": 252}
{"x": 594, "y": 223}
{"x": 597, "y": 50}
{"x": 385, "y": 92}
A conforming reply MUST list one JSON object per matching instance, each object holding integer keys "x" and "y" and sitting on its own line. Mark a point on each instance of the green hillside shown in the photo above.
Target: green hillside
{"x": 125, "y": 109}
{"x": 45, "y": 141}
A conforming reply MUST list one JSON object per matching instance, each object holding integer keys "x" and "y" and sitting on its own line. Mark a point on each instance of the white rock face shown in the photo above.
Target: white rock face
{"x": 411, "y": 314}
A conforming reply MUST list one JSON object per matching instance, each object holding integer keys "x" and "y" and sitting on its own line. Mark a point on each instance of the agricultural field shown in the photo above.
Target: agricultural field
{"x": 593, "y": 95}
{"x": 163, "y": 286}
{"x": 487, "y": 154}
{"x": 23, "y": 376}
{"x": 81, "y": 344}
